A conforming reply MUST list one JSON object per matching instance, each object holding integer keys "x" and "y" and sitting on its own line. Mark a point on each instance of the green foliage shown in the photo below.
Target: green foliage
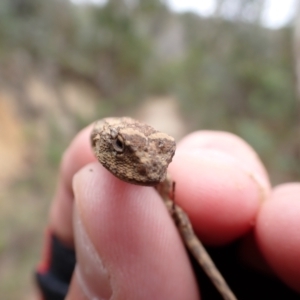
{"x": 232, "y": 74}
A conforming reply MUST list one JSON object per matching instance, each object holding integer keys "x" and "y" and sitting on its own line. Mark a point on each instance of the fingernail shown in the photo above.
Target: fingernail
{"x": 250, "y": 172}
{"x": 92, "y": 276}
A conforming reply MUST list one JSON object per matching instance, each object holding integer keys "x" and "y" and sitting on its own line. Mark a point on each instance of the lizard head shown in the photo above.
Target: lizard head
{"x": 133, "y": 151}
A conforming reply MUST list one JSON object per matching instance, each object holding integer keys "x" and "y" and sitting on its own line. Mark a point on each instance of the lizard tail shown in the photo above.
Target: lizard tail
{"x": 200, "y": 254}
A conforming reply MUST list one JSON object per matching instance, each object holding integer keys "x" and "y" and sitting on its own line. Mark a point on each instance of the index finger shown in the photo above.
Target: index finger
{"x": 77, "y": 155}
{"x": 220, "y": 183}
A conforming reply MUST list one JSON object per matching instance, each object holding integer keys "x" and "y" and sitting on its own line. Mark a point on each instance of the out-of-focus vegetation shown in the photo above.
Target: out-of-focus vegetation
{"x": 227, "y": 73}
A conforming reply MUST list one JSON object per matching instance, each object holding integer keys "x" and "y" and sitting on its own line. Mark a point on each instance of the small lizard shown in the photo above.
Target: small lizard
{"x": 137, "y": 153}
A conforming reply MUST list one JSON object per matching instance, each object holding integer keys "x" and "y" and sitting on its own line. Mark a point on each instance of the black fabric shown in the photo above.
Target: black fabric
{"x": 55, "y": 282}
{"x": 246, "y": 284}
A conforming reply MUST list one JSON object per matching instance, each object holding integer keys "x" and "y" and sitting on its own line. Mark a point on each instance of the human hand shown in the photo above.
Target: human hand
{"x": 128, "y": 246}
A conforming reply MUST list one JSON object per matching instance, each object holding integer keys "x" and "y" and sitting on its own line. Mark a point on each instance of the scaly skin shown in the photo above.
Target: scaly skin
{"x": 137, "y": 153}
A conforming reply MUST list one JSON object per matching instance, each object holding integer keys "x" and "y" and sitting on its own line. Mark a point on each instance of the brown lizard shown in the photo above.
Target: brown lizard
{"x": 137, "y": 153}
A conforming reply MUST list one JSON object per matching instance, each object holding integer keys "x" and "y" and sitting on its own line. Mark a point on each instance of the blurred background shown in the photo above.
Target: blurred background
{"x": 229, "y": 65}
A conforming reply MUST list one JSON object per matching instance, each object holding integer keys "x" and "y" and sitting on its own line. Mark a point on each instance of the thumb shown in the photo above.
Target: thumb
{"x": 127, "y": 246}
{"x": 91, "y": 279}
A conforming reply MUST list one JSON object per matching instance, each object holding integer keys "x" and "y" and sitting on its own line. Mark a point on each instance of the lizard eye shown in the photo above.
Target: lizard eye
{"x": 118, "y": 144}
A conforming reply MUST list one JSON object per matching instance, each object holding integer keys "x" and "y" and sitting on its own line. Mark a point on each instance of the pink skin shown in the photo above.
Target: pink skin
{"x": 278, "y": 233}
{"x": 126, "y": 244}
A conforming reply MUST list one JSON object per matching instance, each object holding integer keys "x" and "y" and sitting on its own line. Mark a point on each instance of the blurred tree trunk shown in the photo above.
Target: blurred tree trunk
{"x": 240, "y": 10}
{"x": 297, "y": 51}
{"x": 218, "y": 8}
{"x": 297, "y": 70}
